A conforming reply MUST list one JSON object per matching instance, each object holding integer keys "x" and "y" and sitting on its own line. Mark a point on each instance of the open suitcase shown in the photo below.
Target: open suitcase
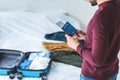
{"x": 10, "y": 61}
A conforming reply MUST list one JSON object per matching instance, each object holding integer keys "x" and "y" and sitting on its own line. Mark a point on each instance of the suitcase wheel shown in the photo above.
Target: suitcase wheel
{"x": 19, "y": 76}
{"x": 11, "y": 75}
{"x": 44, "y": 77}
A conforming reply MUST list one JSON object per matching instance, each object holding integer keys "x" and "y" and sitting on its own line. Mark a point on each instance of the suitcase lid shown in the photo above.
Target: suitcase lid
{"x": 10, "y": 58}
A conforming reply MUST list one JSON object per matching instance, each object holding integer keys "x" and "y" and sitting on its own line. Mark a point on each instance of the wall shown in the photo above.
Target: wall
{"x": 13, "y": 5}
{"x": 79, "y": 9}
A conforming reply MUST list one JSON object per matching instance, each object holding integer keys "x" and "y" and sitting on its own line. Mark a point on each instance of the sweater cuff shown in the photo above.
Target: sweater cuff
{"x": 79, "y": 49}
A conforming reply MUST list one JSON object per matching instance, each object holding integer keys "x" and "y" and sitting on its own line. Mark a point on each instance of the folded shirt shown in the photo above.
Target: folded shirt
{"x": 40, "y": 63}
{"x": 31, "y": 63}
{"x": 59, "y": 36}
{"x": 33, "y": 55}
{"x": 52, "y": 46}
{"x": 25, "y": 64}
{"x": 68, "y": 57}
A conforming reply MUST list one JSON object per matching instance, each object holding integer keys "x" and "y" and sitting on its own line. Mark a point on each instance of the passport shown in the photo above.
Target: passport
{"x": 67, "y": 28}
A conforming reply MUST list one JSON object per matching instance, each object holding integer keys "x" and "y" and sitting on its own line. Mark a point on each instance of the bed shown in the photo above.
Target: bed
{"x": 25, "y": 31}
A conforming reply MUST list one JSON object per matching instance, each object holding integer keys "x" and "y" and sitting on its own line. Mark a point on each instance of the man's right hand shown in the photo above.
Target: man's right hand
{"x": 80, "y": 35}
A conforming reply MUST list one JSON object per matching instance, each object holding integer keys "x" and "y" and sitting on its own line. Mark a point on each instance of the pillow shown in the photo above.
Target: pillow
{"x": 64, "y": 17}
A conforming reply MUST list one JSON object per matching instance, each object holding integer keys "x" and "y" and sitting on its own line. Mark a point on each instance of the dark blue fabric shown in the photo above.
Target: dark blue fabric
{"x": 59, "y": 36}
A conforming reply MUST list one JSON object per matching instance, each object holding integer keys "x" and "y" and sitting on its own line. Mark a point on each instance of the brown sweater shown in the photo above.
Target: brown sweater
{"x": 53, "y": 47}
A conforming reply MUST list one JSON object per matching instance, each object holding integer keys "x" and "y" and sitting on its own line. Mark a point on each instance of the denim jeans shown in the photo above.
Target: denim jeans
{"x": 114, "y": 77}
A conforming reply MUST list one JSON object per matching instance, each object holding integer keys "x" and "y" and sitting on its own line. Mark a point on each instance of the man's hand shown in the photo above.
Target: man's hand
{"x": 80, "y": 35}
{"x": 72, "y": 42}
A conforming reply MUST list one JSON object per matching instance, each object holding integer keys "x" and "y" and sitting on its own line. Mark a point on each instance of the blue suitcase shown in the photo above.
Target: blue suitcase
{"x": 33, "y": 73}
{"x": 10, "y": 61}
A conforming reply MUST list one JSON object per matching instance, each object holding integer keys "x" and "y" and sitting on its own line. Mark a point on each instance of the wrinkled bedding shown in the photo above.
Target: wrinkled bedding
{"x": 25, "y": 32}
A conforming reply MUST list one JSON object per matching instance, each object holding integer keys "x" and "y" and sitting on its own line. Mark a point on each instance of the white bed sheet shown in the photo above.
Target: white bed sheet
{"x": 25, "y": 31}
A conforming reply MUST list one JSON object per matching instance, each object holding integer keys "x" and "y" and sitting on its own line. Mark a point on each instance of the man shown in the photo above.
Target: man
{"x": 102, "y": 42}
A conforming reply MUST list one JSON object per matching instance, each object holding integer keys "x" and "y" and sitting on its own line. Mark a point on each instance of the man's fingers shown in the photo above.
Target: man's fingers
{"x": 75, "y": 36}
{"x": 67, "y": 36}
{"x": 81, "y": 32}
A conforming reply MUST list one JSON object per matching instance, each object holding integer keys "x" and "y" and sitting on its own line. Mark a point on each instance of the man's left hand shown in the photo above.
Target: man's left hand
{"x": 72, "y": 42}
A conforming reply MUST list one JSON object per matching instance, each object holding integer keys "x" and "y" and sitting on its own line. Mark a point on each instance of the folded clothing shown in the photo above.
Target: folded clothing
{"x": 67, "y": 57}
{"x": 36, "y": 60}
{"x": 39, "y": 54}
{"x": 52, "y": 46}
{"x": 25, "y": 64}
{"x": 40, "y": 63}
{"x": 59, "y": 36}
